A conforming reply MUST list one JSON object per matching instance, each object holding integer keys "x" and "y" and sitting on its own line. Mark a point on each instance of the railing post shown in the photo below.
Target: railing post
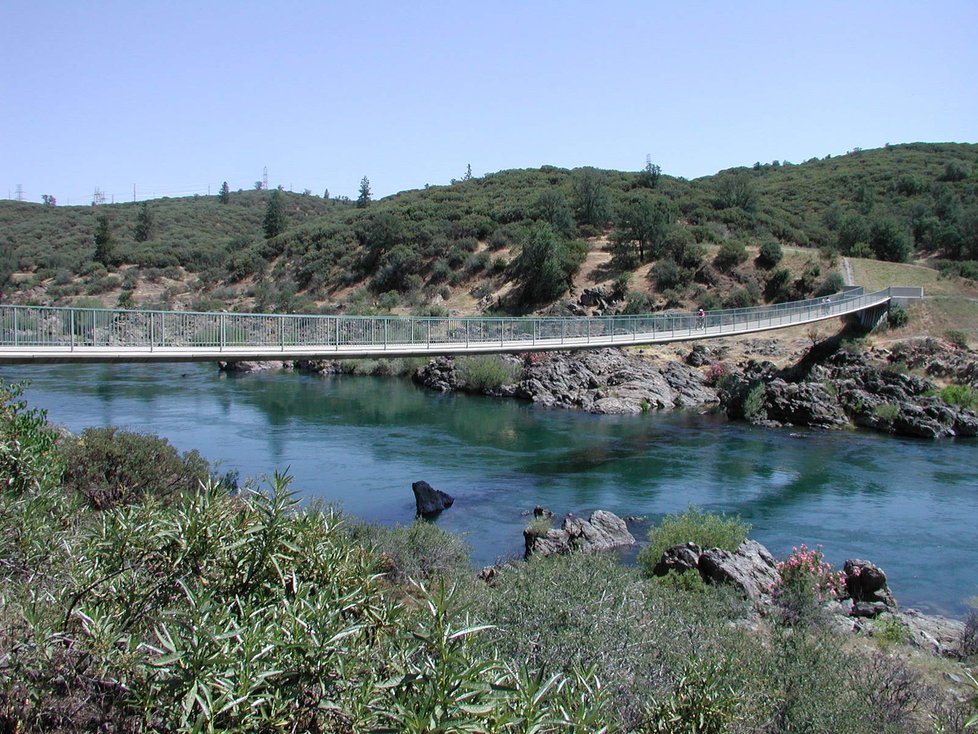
{"x": 223, "y": 331}
{"x": 71, "y": 325}
{"x": 152, "y": 331}
{"x": 612, "y": 328}
{"x": 281, "y": 332}
{"x": 16, "y": 334}
{"x": 387, "y": 332}
{"x": 466, "y": 333}
{"x": 428, "y": 343}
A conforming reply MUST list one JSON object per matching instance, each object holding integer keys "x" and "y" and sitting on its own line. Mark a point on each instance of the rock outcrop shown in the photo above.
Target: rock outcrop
{"x": 430, "y": 501}
{"x": 866, "y": 583}
{"x": 252, "y": 366}
{"x": 751, "y": 569}
{"x": 607, "y": 381}
{"x": 602, "y": 531}
{"x": 869, "y": 389}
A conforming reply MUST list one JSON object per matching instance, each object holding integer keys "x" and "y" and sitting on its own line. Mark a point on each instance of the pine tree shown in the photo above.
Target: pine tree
{"x": 274, "y": 222}
{"x": 144, "y": 223}
{"x": 225, "y": 196}
{"x": 364, "y": 199}
{"x": 103, "y": 240}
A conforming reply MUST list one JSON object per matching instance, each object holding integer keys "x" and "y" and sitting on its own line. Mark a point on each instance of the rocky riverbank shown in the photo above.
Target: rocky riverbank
{"x": 834, "y": 385}
{"x": 609, "y": 381}
{"x": 889, "y": 390}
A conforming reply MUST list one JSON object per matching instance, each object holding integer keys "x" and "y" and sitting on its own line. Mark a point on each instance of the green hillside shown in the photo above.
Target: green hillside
{"x": 514, "y": 240}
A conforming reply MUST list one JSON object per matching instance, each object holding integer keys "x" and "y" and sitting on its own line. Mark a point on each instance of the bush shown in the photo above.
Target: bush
{"x": 770, "y": 254}
{"x": 807, "y": 582}
{"x": 484, "y": 373}
{"x": 897, "y": 317}
{"x": 887, "y": 412}
{"x": 730, "y": 255}
{"x": 706, "y": 529}
{"x": 833, "y": 283}
{"x": 668, "y": 275}
{"x": 636, "y": 303}
{"x": 958, "y": 338}
{"x": 755, "y": 403}
{"x": 109, "y": 467}
{"x": 960, "y": 395}
{"x": 420, "y": 551}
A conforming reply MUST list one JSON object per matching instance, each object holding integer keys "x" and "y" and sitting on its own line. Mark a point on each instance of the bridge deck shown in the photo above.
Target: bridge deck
{"x": 35, "y": 334}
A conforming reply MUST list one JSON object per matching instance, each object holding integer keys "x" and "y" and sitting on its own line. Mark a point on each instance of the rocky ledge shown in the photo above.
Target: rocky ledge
{"x": 607, "y": 381}
{"x": 873, "y": 388}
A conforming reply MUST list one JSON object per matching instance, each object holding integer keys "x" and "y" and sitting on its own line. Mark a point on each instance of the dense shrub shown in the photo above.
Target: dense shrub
{"x": 807, "y": 582}
{"x": 485, "y": 373}
{"x": 110, "y": 467}
{"x": 769, "y": 254}
{"x": 707, "y": 530}
{"x": 420, "y": 551}
{"x": 962, "y": 396}
{"x": 897, "y": 317}
{"x": 730, "y": 255}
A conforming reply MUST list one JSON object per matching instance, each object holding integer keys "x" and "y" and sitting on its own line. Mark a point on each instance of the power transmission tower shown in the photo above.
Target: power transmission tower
{"x": 20, "y": 192}
{"x": 264, "y": 178}
{"x": 98, "y": 197}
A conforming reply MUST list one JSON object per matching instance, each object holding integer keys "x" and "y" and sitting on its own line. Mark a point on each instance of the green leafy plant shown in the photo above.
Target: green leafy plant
{"x": 706, "y": 529}
{"x": 961, "y": 395}
{"x": 484, "y": 373}
{"x": 887, "y": 412}
{"x": 755, "y": 408}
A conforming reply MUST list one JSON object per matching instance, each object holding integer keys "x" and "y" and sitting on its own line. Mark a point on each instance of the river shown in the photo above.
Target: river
{"x": 910, "y": 506}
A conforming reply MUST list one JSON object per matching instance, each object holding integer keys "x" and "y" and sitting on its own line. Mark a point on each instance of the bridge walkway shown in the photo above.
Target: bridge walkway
{"x": 40, "y": 334}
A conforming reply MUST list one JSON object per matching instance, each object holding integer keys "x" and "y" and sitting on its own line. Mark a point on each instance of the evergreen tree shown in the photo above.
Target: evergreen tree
{"x": 144, "y": 223}
{"x": 651, "y": 173}
{"x": 104, "y": 244}
{"x": 274, "y": 222}
{"x": 364, "y": 199}
{"x": 225, "y": 196}
{"x": 590, "y": 197}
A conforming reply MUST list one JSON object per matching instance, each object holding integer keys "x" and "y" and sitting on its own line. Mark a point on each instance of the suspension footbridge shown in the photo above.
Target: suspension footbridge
{"x": 42, "y": 334}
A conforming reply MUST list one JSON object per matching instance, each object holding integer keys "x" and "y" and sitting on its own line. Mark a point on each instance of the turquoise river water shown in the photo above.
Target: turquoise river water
{"x": 911, "y": 506}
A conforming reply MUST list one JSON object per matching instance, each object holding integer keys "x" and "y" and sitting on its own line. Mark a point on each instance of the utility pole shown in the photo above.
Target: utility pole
{"x": 134, "y": 193}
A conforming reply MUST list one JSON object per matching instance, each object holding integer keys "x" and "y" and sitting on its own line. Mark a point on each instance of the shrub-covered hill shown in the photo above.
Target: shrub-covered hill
{"x": 513, "y": 240}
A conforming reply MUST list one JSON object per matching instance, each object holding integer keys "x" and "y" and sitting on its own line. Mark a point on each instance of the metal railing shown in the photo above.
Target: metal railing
{"x": 41, "y": 333}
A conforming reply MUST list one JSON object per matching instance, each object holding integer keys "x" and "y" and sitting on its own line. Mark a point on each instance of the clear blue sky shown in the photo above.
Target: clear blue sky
{"x": 178, "y": 96}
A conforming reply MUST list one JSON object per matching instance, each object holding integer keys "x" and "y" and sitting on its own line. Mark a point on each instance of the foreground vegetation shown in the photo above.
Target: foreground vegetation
{"x": 139, "y": 593}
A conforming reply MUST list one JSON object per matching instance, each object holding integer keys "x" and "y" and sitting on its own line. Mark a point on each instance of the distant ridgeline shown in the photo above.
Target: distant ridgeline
{"x": 510, "y": 241}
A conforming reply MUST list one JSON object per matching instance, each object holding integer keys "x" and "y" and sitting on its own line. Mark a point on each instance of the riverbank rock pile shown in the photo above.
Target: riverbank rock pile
{"x": 607, "y": 381}
{"x": 868, "y": 388}
{"x": 753, "y": 572}
{"x": 602, "y": 531}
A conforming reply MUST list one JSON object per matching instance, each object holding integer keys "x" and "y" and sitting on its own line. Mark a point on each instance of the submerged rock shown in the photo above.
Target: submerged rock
{"x": 244, "y": 366}
{"x": 430, "y": 501}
